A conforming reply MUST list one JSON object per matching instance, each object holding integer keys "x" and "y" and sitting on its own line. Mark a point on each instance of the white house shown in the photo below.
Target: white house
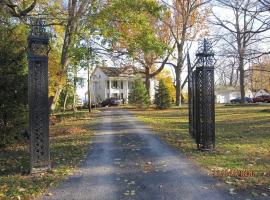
{"x": 225, "y": 93}
{"x": 107, "y": 82}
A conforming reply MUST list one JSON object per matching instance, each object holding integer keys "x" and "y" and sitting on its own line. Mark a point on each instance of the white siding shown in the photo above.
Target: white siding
{"x": 226, "y": 96}
{"x": 153, "y": 84}
{"x": 100, "y": 92}
{"x": 98, "y": 86}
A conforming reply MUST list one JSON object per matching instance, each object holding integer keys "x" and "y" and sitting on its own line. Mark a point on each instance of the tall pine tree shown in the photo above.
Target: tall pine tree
{"x": 162, "y": 96}
{"x": 138, "y": 95}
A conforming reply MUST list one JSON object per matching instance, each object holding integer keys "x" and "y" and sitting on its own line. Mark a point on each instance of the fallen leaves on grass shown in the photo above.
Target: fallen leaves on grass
{"x": 68, "y": 146}
{"x": 242, "y": 142}
{"x": 68, "y": 131}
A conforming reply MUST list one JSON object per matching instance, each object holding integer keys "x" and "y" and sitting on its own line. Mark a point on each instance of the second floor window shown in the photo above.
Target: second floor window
{"x": 108, "y": 84}
{"x": 122, "y": 85}
{"x": 114, "y": 84}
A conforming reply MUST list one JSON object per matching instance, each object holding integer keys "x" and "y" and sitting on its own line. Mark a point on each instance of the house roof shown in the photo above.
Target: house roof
{"x": 121, "y": 71}
{"x": 111, "y": 71}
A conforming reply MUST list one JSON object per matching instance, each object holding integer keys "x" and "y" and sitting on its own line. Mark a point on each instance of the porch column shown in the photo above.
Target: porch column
{"x": 110, "y": 86}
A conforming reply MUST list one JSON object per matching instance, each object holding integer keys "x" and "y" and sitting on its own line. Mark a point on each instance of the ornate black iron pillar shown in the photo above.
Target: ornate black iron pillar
{"x": 205, "y": 98}
{"x": 38, "y": 49}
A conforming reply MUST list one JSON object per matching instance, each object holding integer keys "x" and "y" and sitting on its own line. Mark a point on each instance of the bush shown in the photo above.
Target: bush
{"x": 13, "y": 84}
{"x": 138, "y": 95}
{"x": 162, "y": 96}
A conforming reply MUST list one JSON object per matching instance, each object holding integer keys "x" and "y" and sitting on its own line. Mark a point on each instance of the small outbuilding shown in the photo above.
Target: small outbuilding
{"x": 225, "y": 93}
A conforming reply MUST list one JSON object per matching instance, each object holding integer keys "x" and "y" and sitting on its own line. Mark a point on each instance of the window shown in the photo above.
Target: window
{"x": 122, "y": 85}
{"x": 115, "y": 95}
{"x": 108, "y": 84}
{"x": 108, "y": 95}
{"x": 122, "y": 96}
{"x": 114, "y": 85}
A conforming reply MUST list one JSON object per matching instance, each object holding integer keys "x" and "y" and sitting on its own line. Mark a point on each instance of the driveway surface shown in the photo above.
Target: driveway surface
{"x": 127, "y": 161}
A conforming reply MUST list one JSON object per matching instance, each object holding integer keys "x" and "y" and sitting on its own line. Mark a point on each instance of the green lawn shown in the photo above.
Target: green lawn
{"x": 242, "y": 155}
{"x": 70, "y": 137}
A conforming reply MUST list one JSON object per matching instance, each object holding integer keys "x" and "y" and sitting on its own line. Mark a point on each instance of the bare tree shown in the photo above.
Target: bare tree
{"x": 265, "y": 4}
{"x": 242, "y": 31}
{"x": 226, "y": 71}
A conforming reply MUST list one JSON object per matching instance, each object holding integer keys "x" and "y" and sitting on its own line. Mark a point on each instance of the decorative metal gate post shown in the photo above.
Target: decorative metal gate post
{"x": 205, "y": 98}
{"x": 38, "y": 48}
{"x": 201, "y": 98}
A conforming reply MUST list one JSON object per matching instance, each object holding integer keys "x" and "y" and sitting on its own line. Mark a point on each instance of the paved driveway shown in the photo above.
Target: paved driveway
{"x": 127, "y": 161}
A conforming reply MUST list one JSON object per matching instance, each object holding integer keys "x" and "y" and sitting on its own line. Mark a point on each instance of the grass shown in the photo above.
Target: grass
{"x": 242, "y": 155}
{"x": 70, "y": 137}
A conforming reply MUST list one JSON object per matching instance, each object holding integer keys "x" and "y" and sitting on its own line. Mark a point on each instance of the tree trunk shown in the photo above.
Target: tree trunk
{"x": 65, "y": 102}
{"x": 74, "y": 100}
{"x": 179, "y": 67}
{"x": 74, "y": 96}
{"x": 54, "y": 99}
{"x": 89, "y": 89}
{"x": 177, "y": 87}
{"x": 147, "y": 80}
{"x": 242, "y": 80}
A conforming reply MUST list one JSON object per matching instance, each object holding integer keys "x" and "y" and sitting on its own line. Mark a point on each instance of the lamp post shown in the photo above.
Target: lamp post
{"x": 38, "y": 49}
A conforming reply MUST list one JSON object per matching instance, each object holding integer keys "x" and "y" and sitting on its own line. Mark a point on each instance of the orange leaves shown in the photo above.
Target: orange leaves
{"x": 56, "y": 77}
{"x": 190, "y": 17}
{"x": 260, "y": 75}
